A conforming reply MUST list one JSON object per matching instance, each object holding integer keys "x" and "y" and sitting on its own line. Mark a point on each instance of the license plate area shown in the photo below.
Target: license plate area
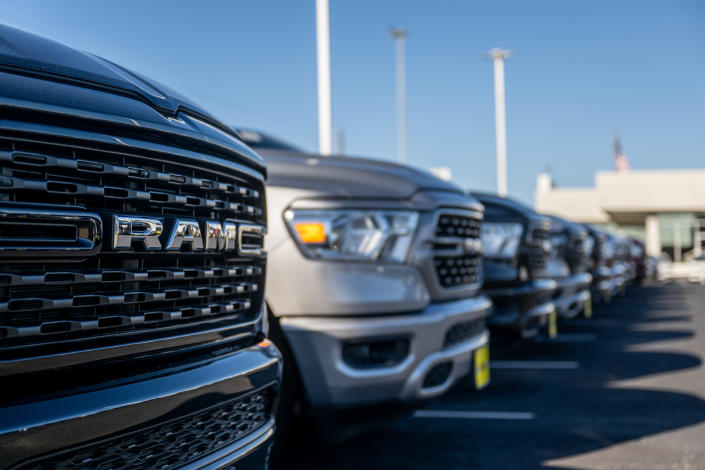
{"x": 481, "y": 367}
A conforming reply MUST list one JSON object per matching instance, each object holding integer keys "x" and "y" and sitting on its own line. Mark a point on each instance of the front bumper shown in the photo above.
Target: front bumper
{"x": 332, "y": 383}
{"x": 523, "y": 308}
{"x": 601, "y": 286}
{"x": 571, "y": 294}
{"x": 154, "y": 420}
{"x": 619, "y": 279}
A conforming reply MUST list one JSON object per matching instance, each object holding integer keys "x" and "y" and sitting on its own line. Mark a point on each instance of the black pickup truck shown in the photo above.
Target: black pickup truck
{"x": 516, "y": 247}
{"x": 132, "y": 332}
{"x": 568, "y": 265}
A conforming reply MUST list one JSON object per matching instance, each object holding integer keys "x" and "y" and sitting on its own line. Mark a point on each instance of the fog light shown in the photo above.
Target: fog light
{"x": 377, "y": 353}
{"x": 437, "y": 375}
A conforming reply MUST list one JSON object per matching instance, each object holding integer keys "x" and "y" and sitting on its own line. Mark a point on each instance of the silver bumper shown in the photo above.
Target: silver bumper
{"x": 332, "y": 383}
{"x": 573, "y": 292}
{"x": 619, "y": 279}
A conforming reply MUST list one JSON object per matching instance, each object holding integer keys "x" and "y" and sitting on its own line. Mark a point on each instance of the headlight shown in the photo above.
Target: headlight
{"x": 501, "y": 240}
{"x": 353, "y": 235}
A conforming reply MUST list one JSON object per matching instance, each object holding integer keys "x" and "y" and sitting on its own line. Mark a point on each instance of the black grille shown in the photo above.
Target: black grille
{"x": 450, "y": 225}
{"x": 452, "y": 233}
{"x": 575, "y": 254}
{"x": 464, "y": 331}
{"x": 171, "y": 444}
{"x": 60, "y": 304}
{"x": 457, "y": 271}
{"x": 537, "y": 251}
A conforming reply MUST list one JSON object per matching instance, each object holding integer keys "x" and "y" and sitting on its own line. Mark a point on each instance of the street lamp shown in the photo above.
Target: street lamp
{"x": 325, "y": 121}
{"x": 498, "y": 56}
{"x": 399, "y": 35}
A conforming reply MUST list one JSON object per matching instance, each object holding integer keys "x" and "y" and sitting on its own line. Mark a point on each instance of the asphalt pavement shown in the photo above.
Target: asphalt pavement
{"x": 624, "y": 389}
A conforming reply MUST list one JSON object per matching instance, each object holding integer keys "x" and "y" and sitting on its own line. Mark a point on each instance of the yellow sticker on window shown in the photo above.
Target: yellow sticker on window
{"x": 552, "y": 325}
{"x": 481, "y": 358}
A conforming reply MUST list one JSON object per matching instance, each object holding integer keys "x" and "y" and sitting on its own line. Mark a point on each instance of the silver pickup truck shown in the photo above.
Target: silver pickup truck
{"x": 374, "y": 275}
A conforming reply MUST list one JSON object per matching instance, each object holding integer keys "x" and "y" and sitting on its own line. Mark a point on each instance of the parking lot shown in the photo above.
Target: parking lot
{"x": 622, "y": 390}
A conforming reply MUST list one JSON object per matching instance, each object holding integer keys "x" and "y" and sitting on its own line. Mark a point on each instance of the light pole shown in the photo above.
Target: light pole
{"x": 325, "y": 121}
{"x": 498, "y": 55}
{"x": 399, "y": 35}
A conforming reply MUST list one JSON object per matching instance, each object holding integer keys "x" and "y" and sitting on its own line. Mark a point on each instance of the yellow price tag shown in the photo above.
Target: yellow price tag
{"x": 552, "y": 325}
{"x": 587, "y": 310}
{"x": 481, "y": 358}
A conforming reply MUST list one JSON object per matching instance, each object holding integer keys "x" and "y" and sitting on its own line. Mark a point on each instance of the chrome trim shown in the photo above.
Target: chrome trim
{"x": 250, "y": 230}
{"x": 128, "y": 229}
{"x": 86, "y": 239}
{"x": 185, "y": 231}
{"x": 220, "y": 236}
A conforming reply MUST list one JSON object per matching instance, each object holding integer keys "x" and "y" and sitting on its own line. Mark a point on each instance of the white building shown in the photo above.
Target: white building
{"x": 665, "y": 208}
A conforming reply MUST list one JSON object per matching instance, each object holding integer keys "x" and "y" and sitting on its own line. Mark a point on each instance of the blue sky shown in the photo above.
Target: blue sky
{"x": 582, "y": 71}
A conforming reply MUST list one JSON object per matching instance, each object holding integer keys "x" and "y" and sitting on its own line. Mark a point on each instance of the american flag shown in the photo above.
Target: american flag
{"x": 620, "y": 160}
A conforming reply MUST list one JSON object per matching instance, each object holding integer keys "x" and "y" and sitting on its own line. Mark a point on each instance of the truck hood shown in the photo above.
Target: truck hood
{"x": 56, "y": 82}
{"x": 348, "y": 177}
{"x": 28, "y": 54}
{"x": 502, "y": 208}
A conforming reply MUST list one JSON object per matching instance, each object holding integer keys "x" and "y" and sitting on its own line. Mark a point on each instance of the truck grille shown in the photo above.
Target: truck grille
{"x": 537, "y": 254}
{"x": 171, "y": 444}
{"x": 461, "y": 332}
{"x": 454, "y": 263}
{"x": 53, "y": 304}
{"x": 575, "y": 254}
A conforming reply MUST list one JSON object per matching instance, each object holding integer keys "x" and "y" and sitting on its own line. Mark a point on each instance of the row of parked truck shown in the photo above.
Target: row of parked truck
{"x": 146, "y": 321}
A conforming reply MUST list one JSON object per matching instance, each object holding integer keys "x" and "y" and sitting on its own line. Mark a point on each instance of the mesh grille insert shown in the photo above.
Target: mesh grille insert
{"x": 537, "y": 254}
{"x": 453, "y": 232}
{"x": 461, "y": 332}
{"x": 168, "y": 445}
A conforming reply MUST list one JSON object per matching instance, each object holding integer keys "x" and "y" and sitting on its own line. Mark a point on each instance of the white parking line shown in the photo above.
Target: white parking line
{"x": 569, "y": 338}
{"x": 459, "y": 414}
{"x": 534, "y": 365}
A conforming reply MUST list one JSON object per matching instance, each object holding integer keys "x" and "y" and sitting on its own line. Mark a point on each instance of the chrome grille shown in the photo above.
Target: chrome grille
{"x": 60, "y": 303}
{"x": 455, "y": 263}
{"x": 171, "y": 444}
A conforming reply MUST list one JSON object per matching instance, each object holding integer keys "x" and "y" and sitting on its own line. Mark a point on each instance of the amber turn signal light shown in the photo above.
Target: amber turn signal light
{"x": 311, "y": 232}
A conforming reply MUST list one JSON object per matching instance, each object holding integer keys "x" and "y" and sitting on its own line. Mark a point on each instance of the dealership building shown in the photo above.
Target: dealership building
{"x": 663, "y": 208}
